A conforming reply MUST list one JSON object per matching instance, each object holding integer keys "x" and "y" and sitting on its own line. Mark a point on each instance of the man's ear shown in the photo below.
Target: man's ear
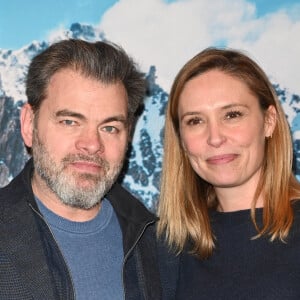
{"x": 270, "y": 121}
{"x": 26, "y": 120}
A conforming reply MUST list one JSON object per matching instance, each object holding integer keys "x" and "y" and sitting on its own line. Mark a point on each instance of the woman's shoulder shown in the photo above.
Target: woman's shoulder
{"x": 296, "y": 206}
{"x": 296, "y": 222}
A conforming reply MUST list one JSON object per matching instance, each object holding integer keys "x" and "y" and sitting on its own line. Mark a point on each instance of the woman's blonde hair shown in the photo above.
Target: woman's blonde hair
{"x": 185, "y": 198}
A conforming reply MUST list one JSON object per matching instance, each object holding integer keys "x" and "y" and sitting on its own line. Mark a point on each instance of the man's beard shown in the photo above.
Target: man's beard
{"x": 79, "y": 190}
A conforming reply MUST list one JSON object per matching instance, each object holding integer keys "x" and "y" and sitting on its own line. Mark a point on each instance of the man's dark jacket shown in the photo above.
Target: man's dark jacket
{"x": 32, "y": 265}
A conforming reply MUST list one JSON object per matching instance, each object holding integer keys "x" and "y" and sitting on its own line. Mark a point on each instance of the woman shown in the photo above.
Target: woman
{"x": 231, "y": 209}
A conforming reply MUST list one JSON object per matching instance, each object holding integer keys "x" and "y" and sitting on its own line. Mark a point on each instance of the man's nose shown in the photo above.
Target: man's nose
{"x": 90, "y": 142}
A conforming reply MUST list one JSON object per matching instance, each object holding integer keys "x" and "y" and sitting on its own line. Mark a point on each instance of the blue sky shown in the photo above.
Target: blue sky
{"x": 268, "y": 6}
{"x": 22, "y": 21}
{"x": 166, "y": 33}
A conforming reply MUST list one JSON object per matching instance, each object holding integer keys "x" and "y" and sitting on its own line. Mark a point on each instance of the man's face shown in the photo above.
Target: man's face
{"x": 79, "y": 138}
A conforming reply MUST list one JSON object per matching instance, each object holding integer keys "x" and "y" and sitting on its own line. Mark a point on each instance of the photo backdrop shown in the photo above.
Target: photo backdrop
{"x": 161, "y": 36}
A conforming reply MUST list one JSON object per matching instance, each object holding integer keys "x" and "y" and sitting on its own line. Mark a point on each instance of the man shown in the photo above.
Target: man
{"x": 68, "y": 230}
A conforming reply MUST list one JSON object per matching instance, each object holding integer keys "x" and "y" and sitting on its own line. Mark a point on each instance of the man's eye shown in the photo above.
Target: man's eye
{"x": 233, "y": 114}
{"x": 111, "y": 129}
{"x": 68, "y": 122}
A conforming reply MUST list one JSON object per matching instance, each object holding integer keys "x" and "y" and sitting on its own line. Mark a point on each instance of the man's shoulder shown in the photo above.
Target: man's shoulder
{"x": 168, "y": 264}
{"x": 13, "y": 195}
{"x": 127, "y": 205}
{"x": 13, "y": 188}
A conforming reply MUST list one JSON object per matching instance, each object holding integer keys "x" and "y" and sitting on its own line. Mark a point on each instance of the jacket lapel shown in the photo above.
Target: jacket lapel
{"x": 21, "y": 241}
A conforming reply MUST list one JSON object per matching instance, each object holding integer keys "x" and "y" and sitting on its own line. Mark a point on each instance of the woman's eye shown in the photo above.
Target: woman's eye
{"x": 194, "y": 121}
{"x": 233, "y": 114}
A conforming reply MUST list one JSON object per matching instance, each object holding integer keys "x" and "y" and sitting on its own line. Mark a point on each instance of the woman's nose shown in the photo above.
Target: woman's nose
{"x": 216, "y": 135}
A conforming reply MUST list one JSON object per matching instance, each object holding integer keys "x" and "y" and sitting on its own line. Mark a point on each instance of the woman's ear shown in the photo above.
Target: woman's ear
{"x": 183, "y": 146}
{"x": 26, "y": 120}
{"x": 270, "y": 120}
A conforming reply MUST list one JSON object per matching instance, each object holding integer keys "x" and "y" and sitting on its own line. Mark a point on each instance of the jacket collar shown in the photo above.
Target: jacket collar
{"x": 133, "y": 216}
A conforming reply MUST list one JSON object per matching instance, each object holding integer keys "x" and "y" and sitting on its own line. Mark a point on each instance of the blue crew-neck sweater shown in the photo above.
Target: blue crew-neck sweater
{"x": 93, "y": 252}
{"x": 243, "y": 268}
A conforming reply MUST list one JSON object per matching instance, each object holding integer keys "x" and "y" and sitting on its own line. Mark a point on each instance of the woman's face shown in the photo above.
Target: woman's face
{"x": 223, "y": 129}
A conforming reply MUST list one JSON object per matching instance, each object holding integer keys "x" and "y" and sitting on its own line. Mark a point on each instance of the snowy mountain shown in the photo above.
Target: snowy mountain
{"x": 144, "y": 161}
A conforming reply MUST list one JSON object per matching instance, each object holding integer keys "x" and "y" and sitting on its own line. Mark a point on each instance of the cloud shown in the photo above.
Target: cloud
{"x": 277, "y": 48}
{"x": 168, "y": 34}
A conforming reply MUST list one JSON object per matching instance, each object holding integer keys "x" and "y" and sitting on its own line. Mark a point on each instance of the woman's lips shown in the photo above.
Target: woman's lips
{"x": 221, "y": 159}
